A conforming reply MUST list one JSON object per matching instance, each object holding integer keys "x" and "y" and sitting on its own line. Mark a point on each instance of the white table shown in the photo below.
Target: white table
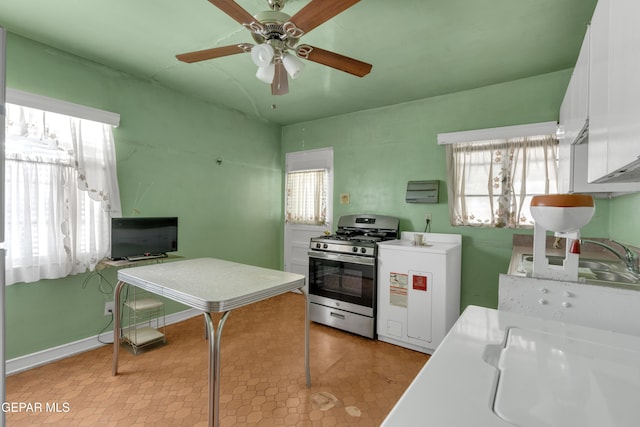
{"x": 211, "y": 286}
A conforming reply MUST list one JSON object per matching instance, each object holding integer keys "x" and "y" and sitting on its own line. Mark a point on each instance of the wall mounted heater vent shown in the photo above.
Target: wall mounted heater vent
{"x": 422, "y": 191}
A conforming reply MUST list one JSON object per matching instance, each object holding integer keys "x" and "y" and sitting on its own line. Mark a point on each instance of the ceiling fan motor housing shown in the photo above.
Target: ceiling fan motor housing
{"x": 272, "y": 21}
{"x": 276, "y": 4}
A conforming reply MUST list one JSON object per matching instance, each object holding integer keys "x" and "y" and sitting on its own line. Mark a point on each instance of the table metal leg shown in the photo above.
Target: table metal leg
{"x": 214, "y": 366}
{"x": 116, "y": 326}
{"x": 306, "y": 336}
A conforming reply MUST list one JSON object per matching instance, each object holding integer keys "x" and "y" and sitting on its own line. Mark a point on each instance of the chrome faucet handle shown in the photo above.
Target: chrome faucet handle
{"x": 630, "y": 256}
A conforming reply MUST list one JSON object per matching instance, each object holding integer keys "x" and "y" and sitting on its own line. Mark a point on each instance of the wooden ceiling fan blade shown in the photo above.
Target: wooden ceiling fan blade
{"x": 334, "y": 60}
{"x": 317, "y": 12}
{"x": 216, "y": 52}
{"x": 234, "y": 10}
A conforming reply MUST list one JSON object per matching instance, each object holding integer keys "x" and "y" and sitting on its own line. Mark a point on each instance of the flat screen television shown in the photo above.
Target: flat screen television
{"x": 141, "y": 238}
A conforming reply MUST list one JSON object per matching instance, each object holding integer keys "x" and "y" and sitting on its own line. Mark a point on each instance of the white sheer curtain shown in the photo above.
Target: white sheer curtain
{"x": 306, "y": 197}
{"x": 60, "y": 191}
{"x": 491, "y": 183}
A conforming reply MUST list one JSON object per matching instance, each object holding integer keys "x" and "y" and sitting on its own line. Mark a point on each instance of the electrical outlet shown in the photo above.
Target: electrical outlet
{"x": 108, "y": 308}
{"x": 427, "y": 217}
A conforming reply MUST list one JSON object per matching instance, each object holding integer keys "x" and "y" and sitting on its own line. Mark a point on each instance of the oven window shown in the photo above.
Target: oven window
{"x": 343, "y": 281}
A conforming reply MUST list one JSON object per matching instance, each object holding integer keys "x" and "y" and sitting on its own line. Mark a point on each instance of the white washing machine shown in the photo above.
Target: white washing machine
{"x": 418, "y": 289}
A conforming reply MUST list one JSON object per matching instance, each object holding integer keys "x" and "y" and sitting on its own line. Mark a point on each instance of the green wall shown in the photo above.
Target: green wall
{"x": 625, "y": 219}
{"x": 167, "y": 146}
{"x": 377, "y": 151}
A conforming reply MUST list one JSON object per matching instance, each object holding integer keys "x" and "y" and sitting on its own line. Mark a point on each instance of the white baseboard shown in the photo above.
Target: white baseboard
{"x": 29, "y": 361}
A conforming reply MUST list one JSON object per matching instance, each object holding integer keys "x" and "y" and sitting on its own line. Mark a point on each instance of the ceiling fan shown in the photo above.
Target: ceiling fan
{"x": 276, "y": 34}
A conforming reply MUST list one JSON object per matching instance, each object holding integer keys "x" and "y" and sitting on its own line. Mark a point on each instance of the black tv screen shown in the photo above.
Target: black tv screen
{"x": 143, "y": 237}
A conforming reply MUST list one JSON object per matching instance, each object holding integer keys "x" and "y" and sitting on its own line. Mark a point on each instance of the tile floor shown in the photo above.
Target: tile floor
{"x": 356, "y": 381}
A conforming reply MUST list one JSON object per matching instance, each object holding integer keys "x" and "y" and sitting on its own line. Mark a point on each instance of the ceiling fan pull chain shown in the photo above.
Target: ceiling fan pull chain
{"x": 291, "y": 30}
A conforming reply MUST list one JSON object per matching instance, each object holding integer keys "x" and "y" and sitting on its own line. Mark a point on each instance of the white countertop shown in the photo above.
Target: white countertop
{"x": 499, "y": 368}
{"x": 211, "y": 285}
{"x": 438, "y": 243}
{"x": 435, "y": 247}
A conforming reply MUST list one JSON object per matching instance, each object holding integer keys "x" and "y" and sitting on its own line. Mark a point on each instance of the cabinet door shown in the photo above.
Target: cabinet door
{"x": 598, "y": 91}
{"x": 573, "y": 118}
{"x": 564, "y": 148}
{"x": 419, "y": 306}
{"x": 624, "y": 84}
{"x": 581, "y": 86}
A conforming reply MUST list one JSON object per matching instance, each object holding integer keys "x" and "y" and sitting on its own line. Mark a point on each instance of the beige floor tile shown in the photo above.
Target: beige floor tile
{"x": 356, "y": 381}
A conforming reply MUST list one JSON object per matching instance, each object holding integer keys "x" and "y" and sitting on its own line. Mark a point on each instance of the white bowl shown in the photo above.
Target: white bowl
{"x": 562, "y": 213}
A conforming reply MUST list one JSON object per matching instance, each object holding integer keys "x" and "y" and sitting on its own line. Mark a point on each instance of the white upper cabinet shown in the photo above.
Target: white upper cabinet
{"x": 578, "y": 94}
{"x": 614, "y": 92}
{"x": 600, "y": 112}
{"x": 598, "y": 91}
{"x": 624, "y": 85}
{"x": 574, "y": 113}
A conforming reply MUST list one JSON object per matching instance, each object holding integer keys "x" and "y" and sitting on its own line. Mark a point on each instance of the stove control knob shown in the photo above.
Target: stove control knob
{"x": 318, "y": 245}
{"x": 363, "y": 250}
{"x": 355, "y": 249}
{"x": 325, "y": 246}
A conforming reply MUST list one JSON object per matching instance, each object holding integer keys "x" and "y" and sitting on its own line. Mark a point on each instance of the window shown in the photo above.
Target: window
{"x": 491, "y": 182}
{"x": 307, "y": 197}
{"x": 60, "y": 192}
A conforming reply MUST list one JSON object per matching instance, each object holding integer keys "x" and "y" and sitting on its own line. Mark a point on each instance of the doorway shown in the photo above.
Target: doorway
{"x": 308, "y": 204}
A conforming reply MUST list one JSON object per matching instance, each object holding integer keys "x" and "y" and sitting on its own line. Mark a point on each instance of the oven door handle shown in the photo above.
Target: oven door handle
{"x": 354, "y": 259}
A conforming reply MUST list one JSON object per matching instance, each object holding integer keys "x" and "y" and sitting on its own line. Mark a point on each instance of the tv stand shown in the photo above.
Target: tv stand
{"x": 143, "y": 257}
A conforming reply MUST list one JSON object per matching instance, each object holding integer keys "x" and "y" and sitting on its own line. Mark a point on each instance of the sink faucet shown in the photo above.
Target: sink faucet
{"x": 629, "y": 257}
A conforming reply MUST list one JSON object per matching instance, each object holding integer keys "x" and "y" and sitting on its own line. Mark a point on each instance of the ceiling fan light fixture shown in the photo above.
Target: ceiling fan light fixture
{"x": 262, "y": 54}
{"x": 293, "y": 65}
{"x": 267, "y": 73}
{"x": 275, "y": 33}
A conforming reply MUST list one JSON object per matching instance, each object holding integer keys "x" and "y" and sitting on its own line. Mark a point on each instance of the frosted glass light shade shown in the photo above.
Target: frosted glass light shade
{"x": 293, "y": 65}
{"x": 266, "y": 73}
{"x": 262, "y": 54}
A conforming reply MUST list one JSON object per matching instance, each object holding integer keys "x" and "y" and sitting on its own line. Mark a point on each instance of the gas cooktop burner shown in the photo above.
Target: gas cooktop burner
{"x": 352, "y": 238}
{"x": 358, "y": 234}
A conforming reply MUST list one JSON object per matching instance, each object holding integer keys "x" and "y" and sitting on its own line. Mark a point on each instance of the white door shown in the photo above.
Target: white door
{"x": 297, "y": 235}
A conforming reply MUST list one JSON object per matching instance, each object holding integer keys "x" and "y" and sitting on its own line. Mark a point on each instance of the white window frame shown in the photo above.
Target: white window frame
{"x": 321, "y": 158}
{"x": 505, "y": 132}
{"x": 31, "y": 100}
{"x": 317, "y": 215}
{"x": 493, "y": 135}
{"x": 52, "y": 105}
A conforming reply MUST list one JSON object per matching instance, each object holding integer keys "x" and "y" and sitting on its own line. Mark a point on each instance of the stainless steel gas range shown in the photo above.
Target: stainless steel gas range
{"x": 342, "y": 273}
